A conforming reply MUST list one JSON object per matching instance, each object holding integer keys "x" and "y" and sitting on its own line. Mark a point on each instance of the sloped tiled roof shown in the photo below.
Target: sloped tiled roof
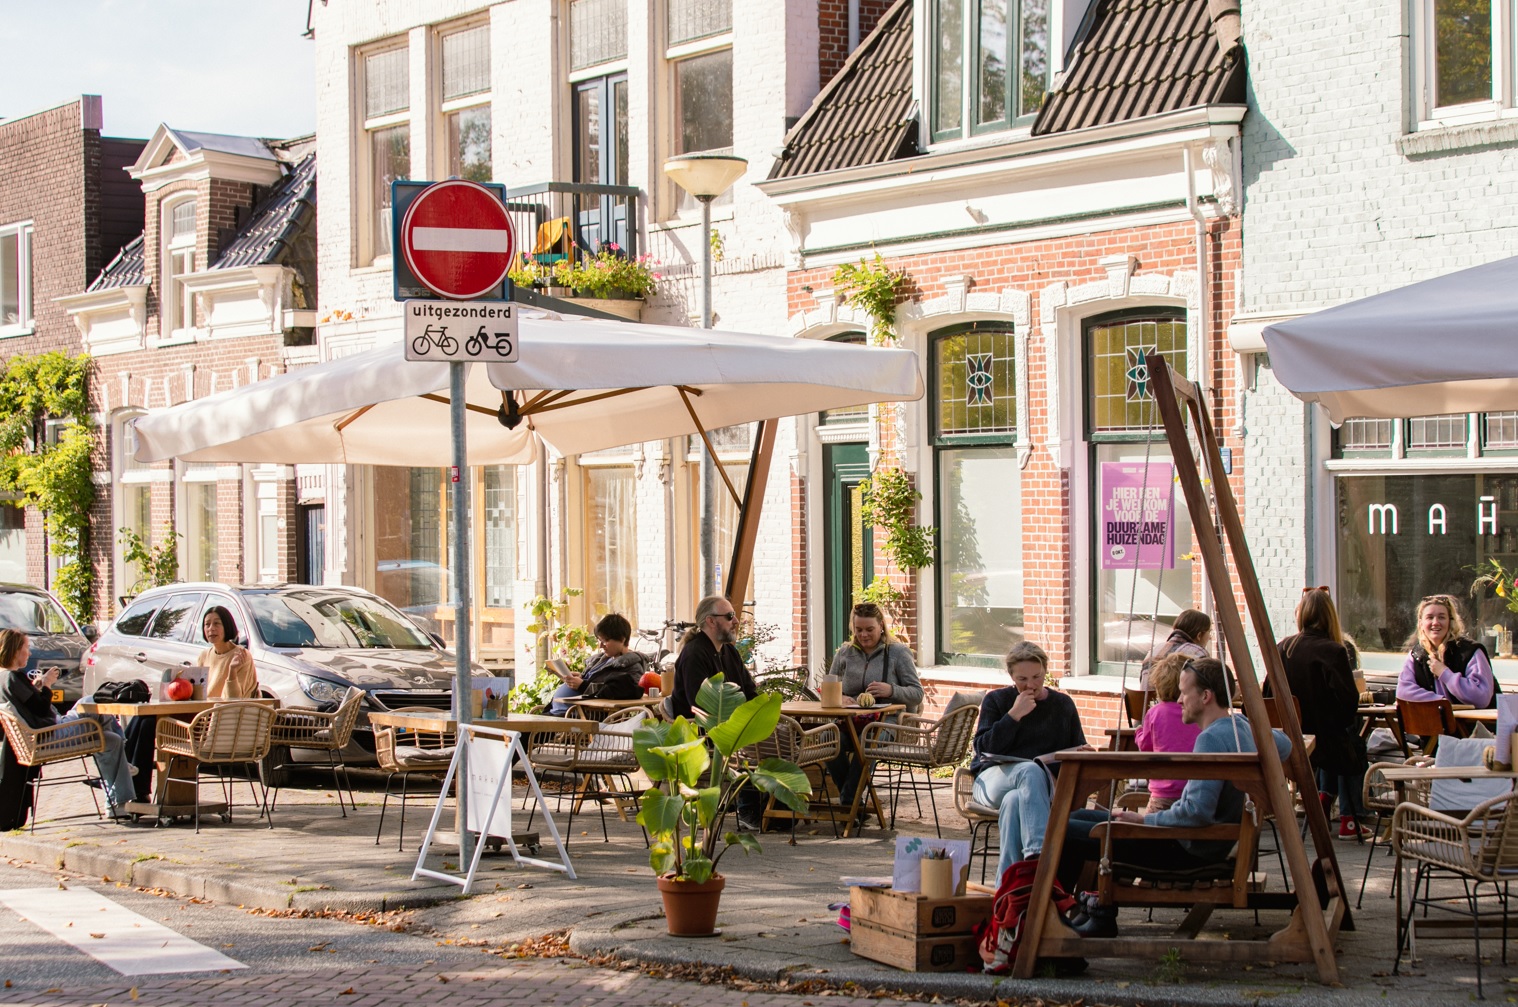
{"x": 1141, "y": 58}
{"x": 864, "y": 115}
{"x": 126, "y": 270}
{"x": 224, "y": 143}
{"x": 283, "y": 212}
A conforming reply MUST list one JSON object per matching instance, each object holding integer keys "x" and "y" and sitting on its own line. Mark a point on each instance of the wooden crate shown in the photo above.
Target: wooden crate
{"x": 912, "y": 913}
{"x": 938, "y": 953}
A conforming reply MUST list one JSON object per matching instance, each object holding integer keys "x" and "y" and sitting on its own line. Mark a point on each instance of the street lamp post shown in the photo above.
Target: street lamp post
{"x": 706, "y": 176}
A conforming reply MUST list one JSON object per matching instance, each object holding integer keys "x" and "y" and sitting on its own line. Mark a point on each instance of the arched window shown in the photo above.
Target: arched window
{"x": 977, "y": 493}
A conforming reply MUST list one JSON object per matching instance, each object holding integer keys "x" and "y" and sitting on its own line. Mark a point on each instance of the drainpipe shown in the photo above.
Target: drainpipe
{"x": 1203, "y": 342}
{"x": 853, "y": 25}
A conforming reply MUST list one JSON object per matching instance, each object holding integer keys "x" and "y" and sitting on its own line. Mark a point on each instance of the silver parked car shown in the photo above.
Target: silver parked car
{"x": 309, "y": 644}
{"x": 57, "y": 640}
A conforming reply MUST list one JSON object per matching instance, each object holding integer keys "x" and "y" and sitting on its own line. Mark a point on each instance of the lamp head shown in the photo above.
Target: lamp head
{"x": 705, "y": 176}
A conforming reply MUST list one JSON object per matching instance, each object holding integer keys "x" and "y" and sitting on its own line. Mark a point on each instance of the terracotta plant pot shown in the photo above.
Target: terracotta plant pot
{"x": 690, "y": 910}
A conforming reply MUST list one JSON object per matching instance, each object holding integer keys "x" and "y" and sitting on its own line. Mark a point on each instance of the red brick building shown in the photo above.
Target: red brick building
{"x": 1056, "y": 216}
{"x": 217, "y": 290}
{"x": 66, "y": 208}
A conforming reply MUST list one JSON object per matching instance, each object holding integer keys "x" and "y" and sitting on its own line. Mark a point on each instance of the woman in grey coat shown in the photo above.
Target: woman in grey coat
{"x": 871, "y": 662}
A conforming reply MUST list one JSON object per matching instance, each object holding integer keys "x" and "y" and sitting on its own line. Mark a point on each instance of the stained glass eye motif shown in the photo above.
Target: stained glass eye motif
{"x": 977, "y": 387}
{"x": 1120, "y": 354}
{"x": 1138, "y": 372}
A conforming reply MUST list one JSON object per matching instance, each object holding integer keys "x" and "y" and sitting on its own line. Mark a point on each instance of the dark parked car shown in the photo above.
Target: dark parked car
{"x": 56, "y": 638}
{"x": 309, "y": 644}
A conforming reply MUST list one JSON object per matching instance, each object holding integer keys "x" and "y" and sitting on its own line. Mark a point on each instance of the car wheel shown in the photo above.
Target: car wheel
{"x": 274, "y": 769}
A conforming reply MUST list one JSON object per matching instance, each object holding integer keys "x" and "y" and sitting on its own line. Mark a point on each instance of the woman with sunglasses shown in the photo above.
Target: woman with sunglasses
{"x": 1321, "y": 676}
{"x": 1442, "y": 663}
{"x": 871, "y": 661}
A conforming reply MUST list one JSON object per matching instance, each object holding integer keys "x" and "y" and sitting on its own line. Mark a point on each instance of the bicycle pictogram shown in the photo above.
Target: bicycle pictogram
{"x": 438, "y": 336}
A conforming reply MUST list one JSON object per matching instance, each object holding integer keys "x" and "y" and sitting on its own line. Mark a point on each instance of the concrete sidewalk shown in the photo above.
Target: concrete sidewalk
{"x": 775, "y": 924}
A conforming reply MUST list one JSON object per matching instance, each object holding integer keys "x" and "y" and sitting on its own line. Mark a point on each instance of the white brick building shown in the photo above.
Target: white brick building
{"x": 1369, "y": 165}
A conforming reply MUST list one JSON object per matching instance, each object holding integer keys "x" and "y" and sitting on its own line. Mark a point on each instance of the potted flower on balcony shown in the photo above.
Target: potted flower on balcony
{"x": 528, "y": 272}
{"x": 608, "y": 277}
{"x": 685, "y": 811}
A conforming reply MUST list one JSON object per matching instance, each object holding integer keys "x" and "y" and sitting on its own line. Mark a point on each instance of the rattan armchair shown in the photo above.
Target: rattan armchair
{"x": 810, "y": 748}
{"x": 983, "y": 820}
{"x": 414, "y": 753}
{"x": 918, "y": 743}
{"x": 1380, "y": 795}
{"x": 322, "y": 732}
{"x": 231, "y": 734}
{"x": 599, "y": 766}
{"x": 1479, "y": 849}
{"x": 41, "y": 746}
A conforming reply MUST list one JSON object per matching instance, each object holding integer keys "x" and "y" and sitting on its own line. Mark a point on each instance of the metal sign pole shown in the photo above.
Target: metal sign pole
{"x": 462, "y": 686}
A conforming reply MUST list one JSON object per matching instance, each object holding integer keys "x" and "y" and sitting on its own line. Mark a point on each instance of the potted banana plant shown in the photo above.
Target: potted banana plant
{"x": 686, "y": 809}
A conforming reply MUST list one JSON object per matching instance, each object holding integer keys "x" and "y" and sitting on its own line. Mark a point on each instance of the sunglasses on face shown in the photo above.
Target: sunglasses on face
{"x": 729, "y": 616}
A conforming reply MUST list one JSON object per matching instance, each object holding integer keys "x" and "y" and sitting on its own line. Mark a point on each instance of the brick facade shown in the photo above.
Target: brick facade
{"x": 833, "y": 31}
{"x": 57, "y": 172}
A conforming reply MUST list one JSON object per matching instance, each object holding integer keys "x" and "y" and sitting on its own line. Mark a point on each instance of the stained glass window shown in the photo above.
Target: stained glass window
{"x": 977, "y": 387}
{"x": 1119, "y": 358}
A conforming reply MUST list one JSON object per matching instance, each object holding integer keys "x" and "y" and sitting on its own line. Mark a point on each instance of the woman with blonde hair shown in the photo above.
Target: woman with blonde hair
{"x": 871, "y": 661}
{"x": 1321, "y": 677}
{"x": 1442, "y": 663}
{"x": 1164, "y": 728}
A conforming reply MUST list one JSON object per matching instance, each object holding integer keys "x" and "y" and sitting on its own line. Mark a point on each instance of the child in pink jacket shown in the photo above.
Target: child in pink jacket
{"x": 1163, "y": 730}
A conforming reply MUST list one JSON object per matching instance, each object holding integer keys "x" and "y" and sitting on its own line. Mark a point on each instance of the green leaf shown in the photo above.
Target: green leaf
{"x": 684, "y": 763}
{"x": 659, "y": 812}
{"x": 706, "y": 805}
{"x": 661, "y": 856}
{"x": 698, "y": 869}
{"x": 783, "y": 780}
{"x": 716, "y": 700}
{"x": 747, "y": 841}
{"x": 747, "y": 725}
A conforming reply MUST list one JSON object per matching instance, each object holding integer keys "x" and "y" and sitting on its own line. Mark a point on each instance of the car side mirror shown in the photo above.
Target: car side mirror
{"x": 90, "y": 632}
{"x": 438, "y": 639}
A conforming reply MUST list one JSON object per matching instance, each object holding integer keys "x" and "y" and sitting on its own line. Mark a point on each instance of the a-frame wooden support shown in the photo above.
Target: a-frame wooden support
{"x": 1321, "y": 909}
{"x": 749, "y": 511}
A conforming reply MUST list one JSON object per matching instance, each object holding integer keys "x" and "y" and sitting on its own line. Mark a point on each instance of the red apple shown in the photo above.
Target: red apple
{"x": 650, "y": 680}
{"x": 179, "y": 690}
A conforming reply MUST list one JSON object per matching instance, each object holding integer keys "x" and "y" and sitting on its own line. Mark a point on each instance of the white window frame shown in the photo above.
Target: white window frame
{"x": 448, "y": 107}
{"x": 967, "y": 132}
{"x": 1427, "y": 114}
{"x": 176, "y": 303}
{"x": 128, "y": 473}
{"x": 674, "y": 55}
{"x": 25, "y": 309}
{"x": 196, "y": 474}
{"x": 366, "y": 240}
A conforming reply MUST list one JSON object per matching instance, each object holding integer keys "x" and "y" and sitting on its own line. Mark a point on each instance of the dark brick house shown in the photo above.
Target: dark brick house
{"x": 67, "y": 207}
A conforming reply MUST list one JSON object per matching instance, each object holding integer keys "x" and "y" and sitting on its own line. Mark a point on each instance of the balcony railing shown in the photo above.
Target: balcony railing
{"x": 559, "y": 221}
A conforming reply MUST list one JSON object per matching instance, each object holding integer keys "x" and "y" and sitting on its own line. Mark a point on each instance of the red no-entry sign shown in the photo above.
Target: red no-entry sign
{"x": 457, "y": 239}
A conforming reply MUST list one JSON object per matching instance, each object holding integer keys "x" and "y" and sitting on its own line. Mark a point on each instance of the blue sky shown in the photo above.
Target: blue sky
{"x": 216, "y": 66}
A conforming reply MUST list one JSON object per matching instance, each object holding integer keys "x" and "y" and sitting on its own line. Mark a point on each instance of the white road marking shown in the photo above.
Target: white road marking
{"x": 459, "y": 239}
{"x": 112, "y": 934}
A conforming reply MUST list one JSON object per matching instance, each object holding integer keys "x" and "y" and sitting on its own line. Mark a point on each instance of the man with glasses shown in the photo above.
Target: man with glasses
{"x": 709, "y": 650}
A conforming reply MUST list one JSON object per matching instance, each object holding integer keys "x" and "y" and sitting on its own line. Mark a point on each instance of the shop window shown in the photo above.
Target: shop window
{"x": 133, "y": 498}
{"x": 1404, "y": 537}
{"x": 990, "y": 64}
{"x": 1447, "y": 435}
{"x": 1138, "y": 589}
{"x": 700, "y": 54}
{"x": 386, "y": 143}
{"x": 611, "y": 542}
{"x": 977, "y": 494}
{"x": 465, "y": 58}
{"x": 198, "y": 527}
{"x": 15, "y": 279}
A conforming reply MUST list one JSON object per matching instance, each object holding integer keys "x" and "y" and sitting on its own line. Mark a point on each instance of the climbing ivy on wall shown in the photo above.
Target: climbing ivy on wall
{"x": 872, "y": 287}
{"x": 56, "y": 477}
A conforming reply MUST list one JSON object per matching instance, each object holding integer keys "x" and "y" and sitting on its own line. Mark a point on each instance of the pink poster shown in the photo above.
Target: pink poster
{"x": 1138, "y": 516}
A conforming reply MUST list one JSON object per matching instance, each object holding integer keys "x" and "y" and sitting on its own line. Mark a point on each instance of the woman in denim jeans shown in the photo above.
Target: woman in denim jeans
{"x": 32, "y": 699}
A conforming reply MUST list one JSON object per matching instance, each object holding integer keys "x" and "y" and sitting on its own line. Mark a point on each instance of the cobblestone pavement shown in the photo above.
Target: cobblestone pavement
{"x": 774, "y": 920}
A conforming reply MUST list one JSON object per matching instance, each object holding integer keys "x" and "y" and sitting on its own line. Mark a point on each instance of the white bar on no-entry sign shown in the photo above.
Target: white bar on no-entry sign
{"x": 459, "y": 239}
{"x": 112, "y": 934}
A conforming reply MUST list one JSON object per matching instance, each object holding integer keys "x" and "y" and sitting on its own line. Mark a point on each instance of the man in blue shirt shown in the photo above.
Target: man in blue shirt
{"x": 1206, "y": 699}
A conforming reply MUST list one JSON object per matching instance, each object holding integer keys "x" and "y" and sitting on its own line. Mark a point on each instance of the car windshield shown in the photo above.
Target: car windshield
{"x": 32, "y": 613}
{"x": 322, "y": 618}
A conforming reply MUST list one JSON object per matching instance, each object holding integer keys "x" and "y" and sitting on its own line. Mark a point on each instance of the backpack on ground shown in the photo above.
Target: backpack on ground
{"x": 1001, "y": 934}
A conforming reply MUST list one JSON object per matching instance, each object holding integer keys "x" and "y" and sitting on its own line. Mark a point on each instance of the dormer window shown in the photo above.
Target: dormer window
{"x": 989, "y": 65}
{"x": 178, "y": 262}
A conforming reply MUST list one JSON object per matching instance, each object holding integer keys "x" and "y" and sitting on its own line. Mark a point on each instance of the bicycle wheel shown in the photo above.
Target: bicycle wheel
{"x": 420, "y": 345}
{"x": 448, "y": 344}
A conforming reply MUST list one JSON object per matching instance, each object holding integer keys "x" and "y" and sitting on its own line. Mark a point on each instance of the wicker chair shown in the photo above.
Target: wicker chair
{"x": 809, "y": 749}
{"x": 918, "y": 743}
{"x": 1380, "y": 795}
{"x": 224, "y": 736}
{"x": 979, "y": 816}
{"x": 38, "y": 747}
{"x": 594, "y": 763}
{"x": 1478, "y": 849}
{"x": 322, "y": 732}
{"x": 421, "y": 753}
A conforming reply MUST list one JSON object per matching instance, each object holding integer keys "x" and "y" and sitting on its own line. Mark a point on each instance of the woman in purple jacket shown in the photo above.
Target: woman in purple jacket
{"x": 1442, "y": 663}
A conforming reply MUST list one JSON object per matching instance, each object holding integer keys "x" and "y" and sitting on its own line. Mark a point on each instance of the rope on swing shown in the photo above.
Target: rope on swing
{"x": 1104, "y": 864}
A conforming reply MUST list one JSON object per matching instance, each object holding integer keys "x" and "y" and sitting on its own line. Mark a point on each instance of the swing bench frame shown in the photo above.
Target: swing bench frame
{"x": 1319, "y": 908}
